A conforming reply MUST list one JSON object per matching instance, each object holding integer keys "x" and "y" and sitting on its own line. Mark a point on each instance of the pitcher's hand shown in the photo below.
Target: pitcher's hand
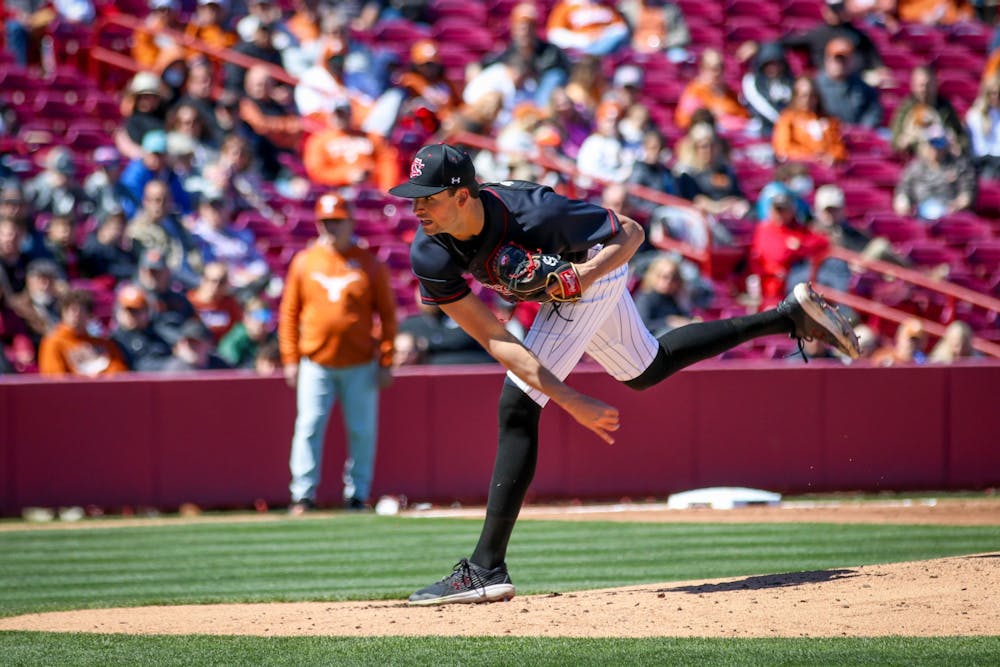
{"x": 597, "y": 416}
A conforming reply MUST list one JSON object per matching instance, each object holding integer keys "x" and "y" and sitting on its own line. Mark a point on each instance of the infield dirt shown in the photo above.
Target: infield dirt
{"x": 957, "y": 596}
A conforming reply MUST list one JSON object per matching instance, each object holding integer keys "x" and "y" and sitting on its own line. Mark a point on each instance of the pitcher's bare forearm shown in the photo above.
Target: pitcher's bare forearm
{"x": 479, "y": 322}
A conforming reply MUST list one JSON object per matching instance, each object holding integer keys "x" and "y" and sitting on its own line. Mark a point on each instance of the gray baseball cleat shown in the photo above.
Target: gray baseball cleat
{"x": 468, "y": 583}
{"x": 815, "y": 319}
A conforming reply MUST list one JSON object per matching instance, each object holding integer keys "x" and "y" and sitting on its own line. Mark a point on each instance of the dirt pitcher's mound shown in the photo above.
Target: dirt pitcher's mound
{"x": 943, "y": 597}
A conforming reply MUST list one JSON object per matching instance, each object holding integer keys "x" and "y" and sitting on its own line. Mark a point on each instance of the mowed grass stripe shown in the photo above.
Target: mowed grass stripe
{"x": 111, "y": 650}
{"x": 348, "y": 535}
{"x": 377, "y": 557}
{"x": 79, "y": 557}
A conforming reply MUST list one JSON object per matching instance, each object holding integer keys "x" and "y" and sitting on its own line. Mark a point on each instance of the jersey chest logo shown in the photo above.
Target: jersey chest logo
{"x": 335, "y": 285}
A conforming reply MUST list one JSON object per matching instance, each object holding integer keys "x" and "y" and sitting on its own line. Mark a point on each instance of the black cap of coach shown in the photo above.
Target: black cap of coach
{"x": 435, "y": 168}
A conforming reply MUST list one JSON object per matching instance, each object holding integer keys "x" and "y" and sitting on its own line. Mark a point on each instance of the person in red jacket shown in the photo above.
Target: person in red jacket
{"x": 779, "y": 243}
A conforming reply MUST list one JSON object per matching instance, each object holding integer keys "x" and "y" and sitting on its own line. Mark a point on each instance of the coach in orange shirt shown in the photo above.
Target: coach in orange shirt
{"x": 332, "y": 348}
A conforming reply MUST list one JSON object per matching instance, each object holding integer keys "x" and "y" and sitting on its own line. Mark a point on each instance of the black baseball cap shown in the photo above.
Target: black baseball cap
{"x": 435, "y": 168}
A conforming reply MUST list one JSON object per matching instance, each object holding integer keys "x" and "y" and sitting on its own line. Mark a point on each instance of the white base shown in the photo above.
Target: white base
{"x": 722, "y": 498}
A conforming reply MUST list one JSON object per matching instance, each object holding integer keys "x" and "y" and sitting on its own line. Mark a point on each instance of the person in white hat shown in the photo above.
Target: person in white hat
{"x": 144, "y": 110}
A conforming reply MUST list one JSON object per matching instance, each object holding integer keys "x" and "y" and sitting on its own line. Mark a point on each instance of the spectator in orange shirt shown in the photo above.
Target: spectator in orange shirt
{"x": 780, "y": 243}
{"x": 207, "y": 25}
{"x": 657, "y": 25}
{"x": 332, "y": 350}
{"x": 150, "y": 39}
{"x": 340, "y": 156}
{"x": 218, "y": 309}
{"x": 594, "y": 27}
{"x": 934, "y": 12}
{"x": 70, "y": 350}
{"x": 709, "y": 90}
{"x": 804, "y": 131}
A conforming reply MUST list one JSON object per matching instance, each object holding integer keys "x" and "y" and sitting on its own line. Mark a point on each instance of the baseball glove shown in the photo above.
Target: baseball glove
{"x": 536, "y": 276}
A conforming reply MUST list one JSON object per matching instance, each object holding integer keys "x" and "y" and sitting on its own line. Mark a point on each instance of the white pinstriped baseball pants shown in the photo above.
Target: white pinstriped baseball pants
{"x": 604, "y": 323}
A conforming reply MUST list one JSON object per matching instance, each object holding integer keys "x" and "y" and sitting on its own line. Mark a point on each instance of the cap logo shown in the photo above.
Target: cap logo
{"x": 417, "y": 168}
{"x": 455, "y": 180}
{"x": 328, "y": 203}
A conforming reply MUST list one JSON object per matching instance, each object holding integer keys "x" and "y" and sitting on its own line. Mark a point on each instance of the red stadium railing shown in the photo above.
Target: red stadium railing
{"x": 100, "y": 55}
{"x": 952, "y": 291}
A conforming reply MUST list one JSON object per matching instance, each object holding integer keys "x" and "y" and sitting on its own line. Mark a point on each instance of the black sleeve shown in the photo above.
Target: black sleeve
{"x": 441, "y": 279}
{"x": 578, "y": 225}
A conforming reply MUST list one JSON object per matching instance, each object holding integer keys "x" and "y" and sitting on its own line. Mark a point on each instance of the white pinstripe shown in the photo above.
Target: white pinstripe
{"x": 604, "y": 323}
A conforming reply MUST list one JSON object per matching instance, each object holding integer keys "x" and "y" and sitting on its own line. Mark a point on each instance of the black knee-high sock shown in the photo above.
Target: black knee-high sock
{"x": 681, "y": 347}
{"x": 517, "y": 454}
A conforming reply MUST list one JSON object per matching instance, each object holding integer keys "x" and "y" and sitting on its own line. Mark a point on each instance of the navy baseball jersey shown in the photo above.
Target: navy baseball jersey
{"x": 528, "y": 214}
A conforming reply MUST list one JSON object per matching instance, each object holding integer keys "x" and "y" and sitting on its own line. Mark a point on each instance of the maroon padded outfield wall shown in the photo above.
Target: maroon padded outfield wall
{"x": 221, "y": 440}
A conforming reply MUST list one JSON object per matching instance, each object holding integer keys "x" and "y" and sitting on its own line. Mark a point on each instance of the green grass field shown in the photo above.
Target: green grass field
{"x": 344, "y": 557}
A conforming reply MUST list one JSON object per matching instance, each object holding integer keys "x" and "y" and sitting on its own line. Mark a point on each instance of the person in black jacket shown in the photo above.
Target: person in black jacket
{"x": 143, "y": 348}
{"x": 105, "y": 252}
{"x": 767, "y": 87}
{"x": 439, "y": 340}
{"x": 836, "y": 23}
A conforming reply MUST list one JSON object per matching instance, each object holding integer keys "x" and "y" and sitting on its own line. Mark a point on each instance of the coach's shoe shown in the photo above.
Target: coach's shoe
{"x": 467, "y": 583}
{"x": 353, "y": 504}
{"x": 301, "y": 507}
{"x": 815, "y": 319}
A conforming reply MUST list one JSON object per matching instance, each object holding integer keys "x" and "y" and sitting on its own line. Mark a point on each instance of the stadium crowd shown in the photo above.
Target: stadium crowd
{"x": 160, "y": 244}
